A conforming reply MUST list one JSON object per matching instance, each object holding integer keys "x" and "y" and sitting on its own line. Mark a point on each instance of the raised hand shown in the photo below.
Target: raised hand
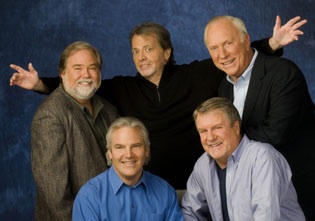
{"x": 23, "y": 78}
{"x": 286, "y": 34}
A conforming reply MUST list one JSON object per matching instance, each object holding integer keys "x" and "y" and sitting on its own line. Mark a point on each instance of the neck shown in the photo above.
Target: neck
{"x": 155, "y": 79}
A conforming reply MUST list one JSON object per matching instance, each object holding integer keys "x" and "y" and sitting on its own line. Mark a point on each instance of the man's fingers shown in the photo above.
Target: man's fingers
{"x": 299, "y": 24}
{"x": 14, "y": 79}
{"x": 30, "y": 67}
{"x": 16, "y": 67}
{"x": 293, "y": 20}
{"x": 278, "y": 22}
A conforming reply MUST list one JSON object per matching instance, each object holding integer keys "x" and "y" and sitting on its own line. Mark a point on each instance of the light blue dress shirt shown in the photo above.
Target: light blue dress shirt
{"x": 241, "y": 86}
{"x": 106, "y": 197}
{"x": 258, "y": 187}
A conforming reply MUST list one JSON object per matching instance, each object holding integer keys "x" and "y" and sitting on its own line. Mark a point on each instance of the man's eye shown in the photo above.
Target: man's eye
{"x": 148, "y": 49}
{"x": 134, "y": 52}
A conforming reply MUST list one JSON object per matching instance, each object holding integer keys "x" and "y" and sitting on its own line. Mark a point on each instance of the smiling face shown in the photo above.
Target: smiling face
{"x": 149, "y": 57}
{"x": 229, "y": 51}
{"x": 81, "y": 76}
{"x": 219, "y": 139}
{"x": 128, "y": 154}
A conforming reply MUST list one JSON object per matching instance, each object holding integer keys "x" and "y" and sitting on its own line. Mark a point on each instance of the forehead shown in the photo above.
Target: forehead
{"x": 126, "y": 135}
{"x": 83, "y": 56}
{"x": 221, "y": 30}
{"x": 210, "y": 118}
{"x": 144, "y": 39}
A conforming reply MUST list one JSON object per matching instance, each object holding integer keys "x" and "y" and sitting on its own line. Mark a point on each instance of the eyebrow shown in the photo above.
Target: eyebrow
{"x": 79, "y": 65}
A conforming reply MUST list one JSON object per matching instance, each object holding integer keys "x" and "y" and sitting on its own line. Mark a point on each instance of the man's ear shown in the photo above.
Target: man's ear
{"x": 247, "y": 42}
{"x": 237, "y": 127}
{"x": 62, "y": 75}
{"x": 109, "y": 157}
{"x": 167, "y": 54}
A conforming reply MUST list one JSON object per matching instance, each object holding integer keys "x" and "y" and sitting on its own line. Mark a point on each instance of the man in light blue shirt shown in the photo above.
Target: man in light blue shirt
{"x": 237, "y": 178}
{"x": 125, "y": 191}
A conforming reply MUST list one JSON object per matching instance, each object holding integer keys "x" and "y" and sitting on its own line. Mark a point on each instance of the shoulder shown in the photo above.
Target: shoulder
{"x": 202, "y": 166}
{"x": 203, "y": 160}
{"x": 278, "y": 69}
{"x": 160, "y": 191}
{"x": 155, "y": 182}
{"x": 56, "y": 102}
{"x": 257, "y": 150}
{"x": 276, "y": 63}
{"x": 95, "y": 185}
{"x": 263, "y": 156}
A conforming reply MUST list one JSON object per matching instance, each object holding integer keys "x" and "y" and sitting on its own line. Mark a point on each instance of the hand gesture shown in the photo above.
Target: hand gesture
{"x": 286, "y": 34}
{"x": 23, "y": 78}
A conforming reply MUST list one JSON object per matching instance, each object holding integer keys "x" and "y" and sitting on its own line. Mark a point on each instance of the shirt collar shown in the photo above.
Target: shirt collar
{"x": 167, "y": 74}
{"x": 236, "y": 155}
{"x": 117, "y": 183}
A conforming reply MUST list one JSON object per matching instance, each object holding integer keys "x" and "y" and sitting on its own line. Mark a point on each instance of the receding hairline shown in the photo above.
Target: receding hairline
{"x": 236, "y": 22}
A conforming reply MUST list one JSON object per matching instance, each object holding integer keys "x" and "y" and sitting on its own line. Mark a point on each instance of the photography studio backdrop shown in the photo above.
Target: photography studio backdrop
{"x": 37, "y": 31}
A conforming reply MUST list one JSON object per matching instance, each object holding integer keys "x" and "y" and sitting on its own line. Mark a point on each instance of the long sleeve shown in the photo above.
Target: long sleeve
{"x": 50, "y": 167}
{"x": 263, "y": 46}
{"x": 51, "y": 83}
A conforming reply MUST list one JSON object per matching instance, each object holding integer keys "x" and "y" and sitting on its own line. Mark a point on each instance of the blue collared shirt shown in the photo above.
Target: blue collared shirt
{"x": 258, "y": 187}
{"x": 106, "y": 197}
{"x": 241, "y": 86}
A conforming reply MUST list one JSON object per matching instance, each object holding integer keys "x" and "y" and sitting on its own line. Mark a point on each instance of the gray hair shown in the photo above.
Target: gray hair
{"x": 78, "y": 46}
{"x": 131, "y": 122}
{"x": 237, "y": 22}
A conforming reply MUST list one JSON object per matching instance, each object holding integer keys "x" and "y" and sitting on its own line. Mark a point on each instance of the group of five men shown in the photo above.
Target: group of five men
{"x": 235, "y": 179}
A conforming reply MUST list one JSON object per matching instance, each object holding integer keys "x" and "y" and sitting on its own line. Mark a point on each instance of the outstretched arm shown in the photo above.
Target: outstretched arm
{"x": 27, "y": 79}
{"x": 286, "y": 34}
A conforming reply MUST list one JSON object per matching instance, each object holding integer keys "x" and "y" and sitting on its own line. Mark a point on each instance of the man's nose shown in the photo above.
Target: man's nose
{"x": 141, "y": 55}
{"x": 210, "y": 136}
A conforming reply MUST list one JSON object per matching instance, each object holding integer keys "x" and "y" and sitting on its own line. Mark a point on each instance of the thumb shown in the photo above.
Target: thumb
{"x": 30, "y": 67}
{"x": 278, "y": 22}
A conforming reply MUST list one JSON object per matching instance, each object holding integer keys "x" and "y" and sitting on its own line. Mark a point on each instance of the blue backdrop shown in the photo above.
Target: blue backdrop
{"x": 38, "y": 31}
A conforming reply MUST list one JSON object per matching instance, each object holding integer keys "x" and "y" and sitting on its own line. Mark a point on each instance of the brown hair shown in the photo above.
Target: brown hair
{"x": 156, "y": 30}
{"x": 74, "y": 47}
